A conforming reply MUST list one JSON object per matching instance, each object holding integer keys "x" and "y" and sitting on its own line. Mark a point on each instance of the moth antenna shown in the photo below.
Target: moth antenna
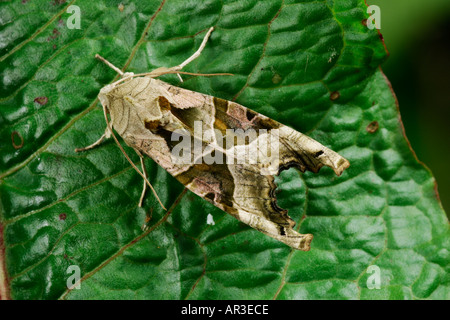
{"x": 109, "y": 64}
{"x": 188, "y": 73}
{"x": 153, "y": 75}
{"x": 170, "y": 70}
{"x": 129, "y": 160}
{"x": 196, "y": 53}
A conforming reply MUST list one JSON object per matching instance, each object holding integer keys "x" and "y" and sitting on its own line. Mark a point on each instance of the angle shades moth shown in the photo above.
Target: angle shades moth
{"x": 156, "y": 119}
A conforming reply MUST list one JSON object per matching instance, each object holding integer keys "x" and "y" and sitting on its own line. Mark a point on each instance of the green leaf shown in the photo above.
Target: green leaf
{"x": 312, "y": 65}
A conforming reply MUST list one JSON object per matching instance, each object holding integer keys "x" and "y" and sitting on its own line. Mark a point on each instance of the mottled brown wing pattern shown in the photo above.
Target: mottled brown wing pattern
{"x": 240, "y": 189}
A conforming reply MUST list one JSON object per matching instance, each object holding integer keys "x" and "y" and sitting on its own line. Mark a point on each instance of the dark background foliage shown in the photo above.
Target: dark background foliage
{"x": 417, "y": 35}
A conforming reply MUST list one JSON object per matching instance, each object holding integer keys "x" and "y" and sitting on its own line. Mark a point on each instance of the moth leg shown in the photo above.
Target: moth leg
{"x": 144, "y": 171}
{"x": 107, "y": 134}
{"x": 195, "y": 55}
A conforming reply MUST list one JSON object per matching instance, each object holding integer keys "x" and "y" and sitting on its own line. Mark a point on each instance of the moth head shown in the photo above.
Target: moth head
{"x": 106, "y": 89}
{"x": 102, "y": 96}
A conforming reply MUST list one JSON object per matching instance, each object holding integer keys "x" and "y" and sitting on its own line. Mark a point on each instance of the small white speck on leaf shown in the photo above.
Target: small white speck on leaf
{"x": 210, "y": 220}
{"x": 333, "y": 54}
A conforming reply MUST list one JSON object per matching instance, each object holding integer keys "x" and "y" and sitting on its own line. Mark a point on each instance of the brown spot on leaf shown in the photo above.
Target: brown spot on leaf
{"x": 58, "y": 2}
{"x": 372, "y": 127}
{"x": 276, "y": 78}
{"x": 62, "y": 216}
{"x": 121, "y": 7}
{"x": 335, "y": 95}
{"x": 17, "y": 140}
{"x": 55, "y": 35}
{"x": 364, "y": 22}
{"x": 148, "y": 216}
{"x": 41, "y": 100}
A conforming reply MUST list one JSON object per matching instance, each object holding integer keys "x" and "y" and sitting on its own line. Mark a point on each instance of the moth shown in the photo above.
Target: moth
{"x": 229, "y": 165}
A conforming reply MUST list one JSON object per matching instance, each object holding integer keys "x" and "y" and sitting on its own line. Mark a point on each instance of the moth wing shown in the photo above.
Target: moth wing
{"x": 244, "y": 190}
{"x": 295, "y": 148}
